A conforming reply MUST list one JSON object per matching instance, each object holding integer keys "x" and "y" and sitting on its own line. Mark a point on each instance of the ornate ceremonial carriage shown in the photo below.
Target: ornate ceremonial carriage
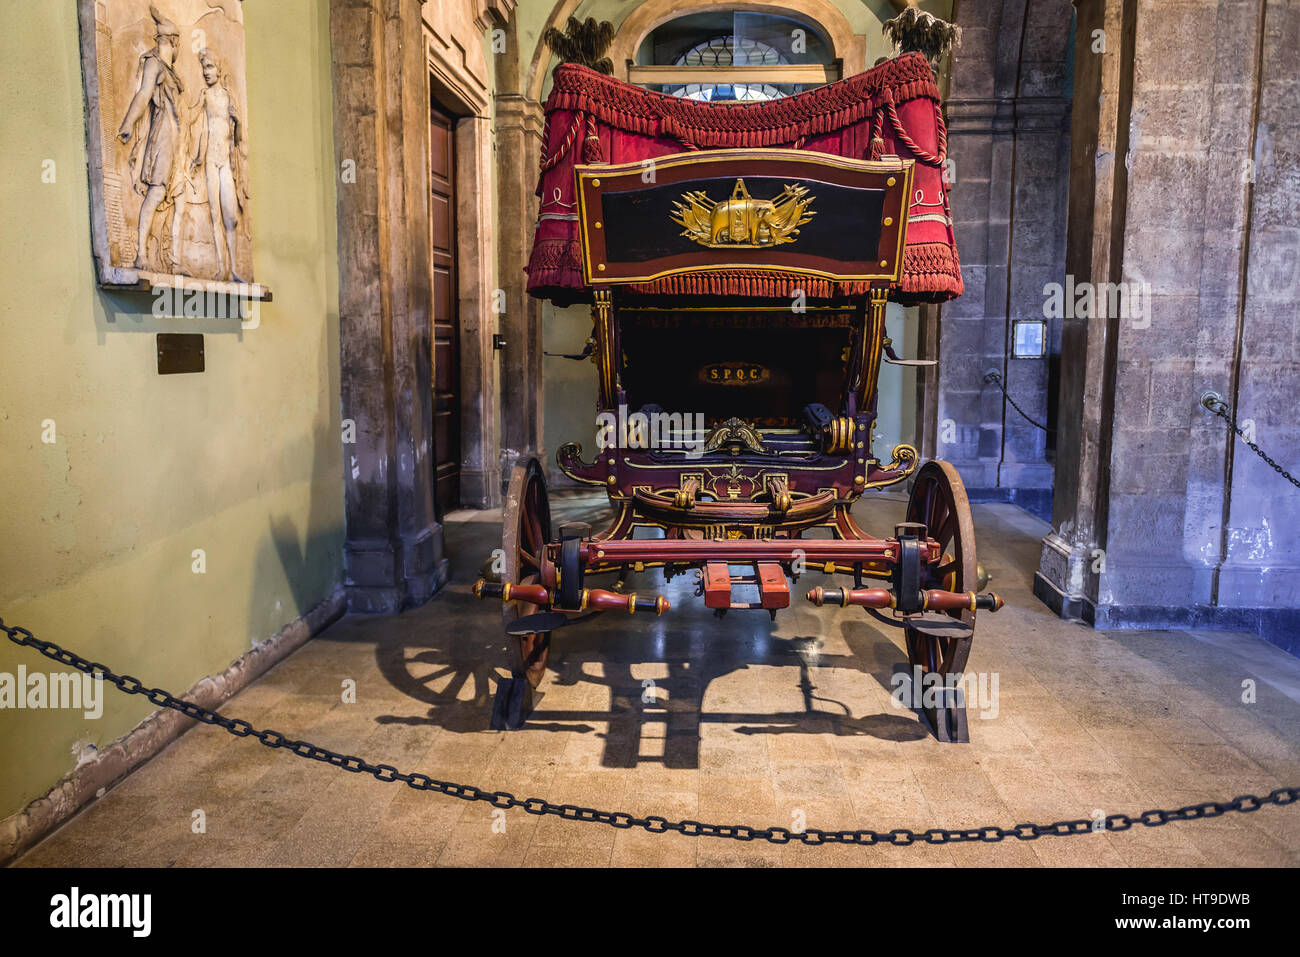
{"x": 738, "y": 260}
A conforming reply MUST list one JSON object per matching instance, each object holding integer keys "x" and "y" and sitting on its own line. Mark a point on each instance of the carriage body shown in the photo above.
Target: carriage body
{"x": 747, "y": 416}
{"x": 738, "y": 301}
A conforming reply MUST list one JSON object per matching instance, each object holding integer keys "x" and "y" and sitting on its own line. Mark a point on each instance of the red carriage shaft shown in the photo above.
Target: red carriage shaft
{"x": 688, "y": 551}
{"x": 595, "y": 599}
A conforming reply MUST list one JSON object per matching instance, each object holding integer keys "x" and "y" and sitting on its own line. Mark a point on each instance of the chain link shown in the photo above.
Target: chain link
{"x": 899, "y": 837}
{"x": 1220, "y": 408}
{"x": 996, "y": 379}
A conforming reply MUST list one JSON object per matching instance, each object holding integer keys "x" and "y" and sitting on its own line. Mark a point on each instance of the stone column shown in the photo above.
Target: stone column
{"x": 1194, "y": 74}
{"x": 1072, "y": 552}
{"x": 518, "y": 140}
{"x": 1198, "y": 532}
{"x": 394, "y": 545}
{"x": 1259, "y": 572}
{"x": 1185, "y": 185}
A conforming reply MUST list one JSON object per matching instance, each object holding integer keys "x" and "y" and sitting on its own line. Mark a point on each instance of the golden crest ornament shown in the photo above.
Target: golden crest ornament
{"x": 743, "y": 222}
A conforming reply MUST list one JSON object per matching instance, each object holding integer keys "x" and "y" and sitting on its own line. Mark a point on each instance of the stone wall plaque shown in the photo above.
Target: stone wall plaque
{"x": 167, "y": 137}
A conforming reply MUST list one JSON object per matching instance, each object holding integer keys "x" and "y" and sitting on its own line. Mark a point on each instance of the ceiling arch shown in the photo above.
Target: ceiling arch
{"x": 846, "y": 45}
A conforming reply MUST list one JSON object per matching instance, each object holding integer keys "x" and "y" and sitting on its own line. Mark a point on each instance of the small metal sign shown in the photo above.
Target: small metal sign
{"x": 180, "y": 352}
{"x": 1029, "y": 339}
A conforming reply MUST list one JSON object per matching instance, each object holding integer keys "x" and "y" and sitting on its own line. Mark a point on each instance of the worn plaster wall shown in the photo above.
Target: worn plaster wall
{"x": 98, "y": 527}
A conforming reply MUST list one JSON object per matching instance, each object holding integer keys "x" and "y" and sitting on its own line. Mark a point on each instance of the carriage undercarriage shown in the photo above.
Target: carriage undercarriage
{"x": 924, "y": 580}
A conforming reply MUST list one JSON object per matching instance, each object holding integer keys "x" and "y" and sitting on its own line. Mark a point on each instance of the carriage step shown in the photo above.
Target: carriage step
{"x": 773, "y": 587}
{"x": 538, "y": 624}
{"x": 940, "y": 626}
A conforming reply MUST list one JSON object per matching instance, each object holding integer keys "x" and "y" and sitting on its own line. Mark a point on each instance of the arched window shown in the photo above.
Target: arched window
{"x": 734, "y": 55}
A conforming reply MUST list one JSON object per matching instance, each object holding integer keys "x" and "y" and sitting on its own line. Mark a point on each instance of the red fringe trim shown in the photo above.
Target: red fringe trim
{"x": 772, "y": 123}
{"x": 556, "y": 254}
{"x": 766, "y": 285}
{"x": 931, "y": 274}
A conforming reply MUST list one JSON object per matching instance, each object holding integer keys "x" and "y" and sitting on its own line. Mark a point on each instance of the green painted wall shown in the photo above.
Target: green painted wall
{"x": 243, "y": 461}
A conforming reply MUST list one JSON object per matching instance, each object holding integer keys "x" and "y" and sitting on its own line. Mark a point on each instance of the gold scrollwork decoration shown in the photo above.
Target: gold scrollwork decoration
{"x": 735, "y": 435}
{"x": 569, "y": 458}
{"x": 904, "y": 459}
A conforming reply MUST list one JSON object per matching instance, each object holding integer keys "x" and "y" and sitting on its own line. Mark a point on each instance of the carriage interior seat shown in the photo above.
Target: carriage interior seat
{"x": 766, "y": 368}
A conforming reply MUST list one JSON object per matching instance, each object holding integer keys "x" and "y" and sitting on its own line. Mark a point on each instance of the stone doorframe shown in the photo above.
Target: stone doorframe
{"x": 460, "y": 81}
{"x": 393, "y": 545}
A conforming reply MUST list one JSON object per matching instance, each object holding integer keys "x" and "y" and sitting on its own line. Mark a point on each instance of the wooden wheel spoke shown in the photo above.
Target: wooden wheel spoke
{"x": 946, "y": 532}
{"x": 940, "y": 515}
{"x": 919, "y": 504}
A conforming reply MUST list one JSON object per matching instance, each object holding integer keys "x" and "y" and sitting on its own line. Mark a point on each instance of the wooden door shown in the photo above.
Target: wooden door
{"x": 446, "y": 343}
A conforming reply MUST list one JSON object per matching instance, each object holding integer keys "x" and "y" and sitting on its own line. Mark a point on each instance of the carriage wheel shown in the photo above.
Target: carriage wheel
{"x": 526, "y": 529}
{"x": 939, "y": 502}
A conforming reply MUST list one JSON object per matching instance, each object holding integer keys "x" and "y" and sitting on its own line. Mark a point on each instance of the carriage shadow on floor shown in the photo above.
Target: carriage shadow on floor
{"x": 451, "y": 652}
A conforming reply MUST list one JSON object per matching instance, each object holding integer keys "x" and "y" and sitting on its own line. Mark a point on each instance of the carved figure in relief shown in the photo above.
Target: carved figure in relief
{"x": 219, "y": 153}
{"x": 156, "y": 107}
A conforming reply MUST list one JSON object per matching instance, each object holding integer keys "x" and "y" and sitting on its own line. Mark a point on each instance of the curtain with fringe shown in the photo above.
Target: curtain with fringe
{"x": 892, "y": 109}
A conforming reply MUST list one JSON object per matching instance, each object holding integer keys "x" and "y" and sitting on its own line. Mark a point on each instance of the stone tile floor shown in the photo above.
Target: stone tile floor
{"x": 753, "y": 722}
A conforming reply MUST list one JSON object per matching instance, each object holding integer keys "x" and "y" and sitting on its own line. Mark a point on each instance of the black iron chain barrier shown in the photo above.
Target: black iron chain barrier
{"x": 996, "y": 379}
{"x": 901, "y": 837}
{"x": 1215, "y": 404}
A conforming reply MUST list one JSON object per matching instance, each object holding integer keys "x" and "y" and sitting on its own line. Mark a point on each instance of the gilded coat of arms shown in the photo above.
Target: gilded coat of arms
{"x": 743, "y": 222}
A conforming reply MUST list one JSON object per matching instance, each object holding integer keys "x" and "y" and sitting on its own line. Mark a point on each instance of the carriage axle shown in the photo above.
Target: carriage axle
{"x": 716, "y": 586}
{"x": 929, "y": 600}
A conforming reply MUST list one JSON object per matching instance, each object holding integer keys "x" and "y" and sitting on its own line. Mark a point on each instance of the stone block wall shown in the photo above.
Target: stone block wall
{"x": 1008, "y": 121}
{"x": 1193, "y": 528}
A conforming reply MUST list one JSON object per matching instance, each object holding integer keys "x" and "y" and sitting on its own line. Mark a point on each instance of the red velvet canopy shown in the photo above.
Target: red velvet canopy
{"x": 892, "y": 109}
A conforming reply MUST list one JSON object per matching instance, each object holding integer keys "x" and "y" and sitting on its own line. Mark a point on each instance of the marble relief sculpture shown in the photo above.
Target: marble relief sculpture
{"x": 167, "y": 107}
{"x": 155, "y": 111}
{"x": 219, "y": 156}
